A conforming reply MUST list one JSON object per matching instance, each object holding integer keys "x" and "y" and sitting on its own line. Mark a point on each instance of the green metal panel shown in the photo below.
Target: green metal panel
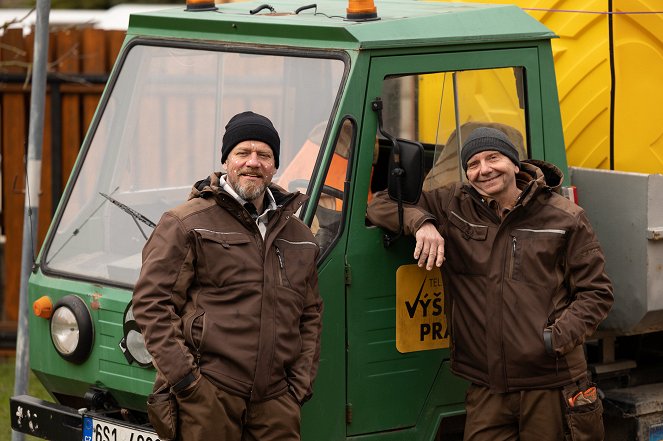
{"x": 401, "y": 24}
{"x": 324, "y": 417}
{"x": 552, "y": 135}
{"x": 106, "y": 366}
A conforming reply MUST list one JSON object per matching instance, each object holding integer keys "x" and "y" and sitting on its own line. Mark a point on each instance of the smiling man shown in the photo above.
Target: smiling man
{"x": 491, "y": 163}
{"x": 250, "y": 169}
{"x": 525, "y": 282}
{"x": 250, "y": 163}
{"x": 228, "y": 301}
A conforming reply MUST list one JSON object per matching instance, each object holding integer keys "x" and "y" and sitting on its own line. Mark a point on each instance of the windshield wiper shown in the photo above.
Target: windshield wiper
{"x": 136, "y": 216}
{"x": 77, "y": 230}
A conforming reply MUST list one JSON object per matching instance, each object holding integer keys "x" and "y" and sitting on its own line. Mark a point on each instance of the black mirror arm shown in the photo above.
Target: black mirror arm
{"x": 398, "y": 172}
{"x": 388, "y": 238}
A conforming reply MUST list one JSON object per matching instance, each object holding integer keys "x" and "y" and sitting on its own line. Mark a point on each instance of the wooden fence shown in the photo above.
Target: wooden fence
{"x": 79, "y": 62}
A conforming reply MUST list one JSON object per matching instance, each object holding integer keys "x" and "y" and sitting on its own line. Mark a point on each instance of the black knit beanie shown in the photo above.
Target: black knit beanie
{"x": 250, "y": 126}
{"x": 487, "y": 138}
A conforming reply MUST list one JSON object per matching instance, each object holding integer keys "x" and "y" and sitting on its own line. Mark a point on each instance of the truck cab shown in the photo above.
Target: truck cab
{"x": 343, "y": 89}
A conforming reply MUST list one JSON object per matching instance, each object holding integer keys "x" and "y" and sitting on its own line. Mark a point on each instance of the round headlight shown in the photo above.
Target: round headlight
{"x": 64, "y": 331}
{"x": 136, "y": 346}
{"x": 72, "y": 331}
{"x": 133, "y": 343}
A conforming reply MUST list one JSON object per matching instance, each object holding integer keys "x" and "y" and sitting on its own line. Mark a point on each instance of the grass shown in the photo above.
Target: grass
{"x": 7, "y": 370}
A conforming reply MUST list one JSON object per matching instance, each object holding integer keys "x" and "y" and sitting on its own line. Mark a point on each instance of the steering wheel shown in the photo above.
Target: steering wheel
{"x": 326, "y": 189}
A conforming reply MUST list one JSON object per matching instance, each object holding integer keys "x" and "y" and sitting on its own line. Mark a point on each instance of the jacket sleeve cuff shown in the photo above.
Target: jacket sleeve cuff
{"x": 184, "y": 382}
{"x": 547, "y": 341}
{"x": 422, "y": 220}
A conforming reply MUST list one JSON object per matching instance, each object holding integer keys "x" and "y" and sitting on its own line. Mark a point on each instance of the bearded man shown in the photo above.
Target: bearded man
{"x": 228, "y": 301}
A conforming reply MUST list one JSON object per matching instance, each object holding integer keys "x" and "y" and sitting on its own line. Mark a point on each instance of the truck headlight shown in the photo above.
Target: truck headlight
{"x": 72, "y": 331}
{"x": 133, "y": 343}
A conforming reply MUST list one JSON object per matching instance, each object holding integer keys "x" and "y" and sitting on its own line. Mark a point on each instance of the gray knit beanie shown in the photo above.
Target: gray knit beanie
{"x": 487, "y": 138}
{"x": 250, "y": 126}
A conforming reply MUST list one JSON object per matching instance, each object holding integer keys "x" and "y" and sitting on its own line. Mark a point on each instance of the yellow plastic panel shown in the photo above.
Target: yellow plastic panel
{"x": 488, "y": 95}
{"x": 639, "y": 92}
{"x": 582, "y": 67}
{"x": 436, "y": 92}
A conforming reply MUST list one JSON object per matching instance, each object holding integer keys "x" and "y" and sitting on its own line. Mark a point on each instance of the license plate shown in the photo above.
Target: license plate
{"x": 100, "y": 429}
{"x": 656, "y": 432}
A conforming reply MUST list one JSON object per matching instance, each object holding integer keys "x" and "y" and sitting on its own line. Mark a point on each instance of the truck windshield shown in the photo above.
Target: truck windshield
{"x": 159, "y": 131}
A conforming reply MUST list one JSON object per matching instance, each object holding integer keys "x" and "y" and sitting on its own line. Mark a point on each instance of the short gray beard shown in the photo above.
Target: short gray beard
{"x": 248, "y": 192}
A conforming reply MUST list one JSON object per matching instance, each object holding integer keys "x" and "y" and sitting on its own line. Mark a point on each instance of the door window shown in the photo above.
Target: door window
{"x": 326, "y": 224}
{"x": 441, "y": 109}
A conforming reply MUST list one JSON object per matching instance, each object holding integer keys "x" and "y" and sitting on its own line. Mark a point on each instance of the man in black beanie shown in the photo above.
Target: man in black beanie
{"x": 525, "y": 285}
{"x": 228, "y": 301}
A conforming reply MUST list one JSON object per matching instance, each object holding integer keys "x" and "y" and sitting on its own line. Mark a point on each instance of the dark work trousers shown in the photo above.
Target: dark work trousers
{"x": 206, "y": 412}
{"x": 533, "y": 415}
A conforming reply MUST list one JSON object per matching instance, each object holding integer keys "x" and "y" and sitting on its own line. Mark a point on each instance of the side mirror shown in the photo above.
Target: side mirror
{"x": 406, "y": 171}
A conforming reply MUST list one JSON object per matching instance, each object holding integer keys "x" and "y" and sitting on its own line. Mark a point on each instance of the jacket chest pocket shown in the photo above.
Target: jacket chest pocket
{"x": 467, "y": 250}
{"x": 225, "y": 257}
{"x": 536, "y": 254}
{"x": 294, "y": 260}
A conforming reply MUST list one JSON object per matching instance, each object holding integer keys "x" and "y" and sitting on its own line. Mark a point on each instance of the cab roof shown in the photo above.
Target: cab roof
{"x": 400, "y": 24}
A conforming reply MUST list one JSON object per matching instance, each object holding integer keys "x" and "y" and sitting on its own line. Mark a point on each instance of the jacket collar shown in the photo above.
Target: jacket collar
{"x": 537, "y": 176}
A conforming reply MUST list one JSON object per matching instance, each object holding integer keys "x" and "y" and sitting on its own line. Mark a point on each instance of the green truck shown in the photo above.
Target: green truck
{"x": 354, "y": 94}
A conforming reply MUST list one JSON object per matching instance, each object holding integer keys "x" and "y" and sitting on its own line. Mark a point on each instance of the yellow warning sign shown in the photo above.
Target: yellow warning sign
{"x": 420, "y": 321}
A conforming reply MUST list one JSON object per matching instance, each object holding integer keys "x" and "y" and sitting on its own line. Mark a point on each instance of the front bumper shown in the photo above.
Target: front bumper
{"x": 43, "y": 419}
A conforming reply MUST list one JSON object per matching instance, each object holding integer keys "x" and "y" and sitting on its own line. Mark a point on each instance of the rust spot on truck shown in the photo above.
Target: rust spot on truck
{"x": 94, "y": 303}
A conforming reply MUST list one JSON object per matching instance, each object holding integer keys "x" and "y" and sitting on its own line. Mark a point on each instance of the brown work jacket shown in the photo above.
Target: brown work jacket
{"x": 215, "y": 297}
{"x": 507, "y": 279}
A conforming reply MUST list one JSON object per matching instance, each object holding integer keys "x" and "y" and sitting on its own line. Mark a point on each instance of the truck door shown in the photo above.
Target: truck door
{"x": 433, "y": 99}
